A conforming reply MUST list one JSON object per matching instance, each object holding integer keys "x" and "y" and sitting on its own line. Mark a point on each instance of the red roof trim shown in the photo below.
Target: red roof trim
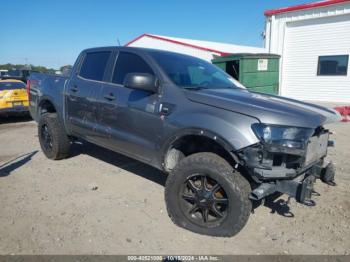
{"x": 304, "y": 6}
{"x": 176, "y": 42}
{"x": 134, "y": 40}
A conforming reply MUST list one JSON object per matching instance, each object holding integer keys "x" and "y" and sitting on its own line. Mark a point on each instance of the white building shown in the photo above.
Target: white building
{"x": 202, "y": 49}
{"x": 314, "y": 43}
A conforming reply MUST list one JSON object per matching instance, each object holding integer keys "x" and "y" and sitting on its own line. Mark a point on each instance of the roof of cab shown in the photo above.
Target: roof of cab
{"x": 134, "y": 49}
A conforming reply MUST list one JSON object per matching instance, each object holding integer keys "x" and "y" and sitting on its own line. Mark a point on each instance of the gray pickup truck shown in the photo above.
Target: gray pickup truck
{"x": 222, "y": 147}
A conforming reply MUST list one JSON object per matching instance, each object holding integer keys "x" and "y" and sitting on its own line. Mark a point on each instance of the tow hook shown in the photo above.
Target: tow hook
{"x": 305, "y": 191}
{"x": 327, "y": 174}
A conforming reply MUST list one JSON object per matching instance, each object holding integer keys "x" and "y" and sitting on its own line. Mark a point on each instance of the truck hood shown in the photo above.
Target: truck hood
{"x": 269, "y": 109}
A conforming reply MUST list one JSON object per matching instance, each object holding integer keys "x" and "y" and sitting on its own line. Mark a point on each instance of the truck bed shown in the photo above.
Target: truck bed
{"x": 48, "y": 85}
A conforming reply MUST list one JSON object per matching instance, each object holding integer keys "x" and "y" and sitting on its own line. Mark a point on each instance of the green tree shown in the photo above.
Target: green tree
{"x": 41, "y": 69}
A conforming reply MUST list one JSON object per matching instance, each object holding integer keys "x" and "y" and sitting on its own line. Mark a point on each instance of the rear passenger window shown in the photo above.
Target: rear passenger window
{"x": 129, "y": 63}
{"x": 94, "y": 65}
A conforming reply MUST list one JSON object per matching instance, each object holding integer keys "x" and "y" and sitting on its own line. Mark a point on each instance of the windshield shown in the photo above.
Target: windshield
{"x": 190, "y": 72}
{"x": 11, "y": 85}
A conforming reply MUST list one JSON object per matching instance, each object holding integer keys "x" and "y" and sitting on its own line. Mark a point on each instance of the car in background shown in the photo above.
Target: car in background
{"x": 17, "y": 74}
{"x": 13, "y": 97}
{"x": 3, "y": 72}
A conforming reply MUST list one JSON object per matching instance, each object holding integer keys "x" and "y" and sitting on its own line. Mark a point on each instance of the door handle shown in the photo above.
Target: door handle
{"x": 74, "y": 89}
{"x": 109, "y": 97}
{"x": 166, "y": 108}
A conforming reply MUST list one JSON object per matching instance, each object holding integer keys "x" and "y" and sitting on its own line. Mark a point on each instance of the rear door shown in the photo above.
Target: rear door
{"x": 129, "y": 118}
{"x": 82, "y": 91}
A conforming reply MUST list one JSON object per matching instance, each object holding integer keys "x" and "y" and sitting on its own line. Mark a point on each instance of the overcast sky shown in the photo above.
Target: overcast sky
{"x": 52, "y": 33}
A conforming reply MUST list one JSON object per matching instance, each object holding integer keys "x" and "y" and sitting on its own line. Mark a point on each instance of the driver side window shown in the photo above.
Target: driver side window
{"x": 129, "y": 63}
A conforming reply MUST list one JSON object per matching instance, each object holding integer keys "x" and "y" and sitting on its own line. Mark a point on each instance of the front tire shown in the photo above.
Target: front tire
{"x": 205, "y": 195}
{"x": 53, "y": 139}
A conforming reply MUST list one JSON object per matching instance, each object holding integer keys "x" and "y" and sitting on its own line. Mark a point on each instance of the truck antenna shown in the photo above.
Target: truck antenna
{"x": 118, "y": 41}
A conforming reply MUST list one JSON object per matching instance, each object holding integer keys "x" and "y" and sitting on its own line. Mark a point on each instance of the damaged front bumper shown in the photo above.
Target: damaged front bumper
{"x": 289, "y": 171}
{"x": 301, "y": 187}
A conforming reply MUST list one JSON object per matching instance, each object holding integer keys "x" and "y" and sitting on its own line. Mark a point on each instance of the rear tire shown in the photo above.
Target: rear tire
{"x": 219, "y": 208}
{"x": 53, "y": 139}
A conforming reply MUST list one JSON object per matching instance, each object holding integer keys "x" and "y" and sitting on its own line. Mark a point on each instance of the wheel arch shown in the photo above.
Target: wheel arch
{"x": 46, "y": 106}
{"x": 206, "y": 140}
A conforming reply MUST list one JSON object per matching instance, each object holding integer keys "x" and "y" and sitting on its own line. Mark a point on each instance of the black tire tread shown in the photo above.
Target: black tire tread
{"x": 236, "y": 180}
{"x": 62, "y": 143}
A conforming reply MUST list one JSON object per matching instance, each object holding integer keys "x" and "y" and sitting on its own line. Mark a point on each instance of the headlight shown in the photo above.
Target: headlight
{"x": 285, "y": 136}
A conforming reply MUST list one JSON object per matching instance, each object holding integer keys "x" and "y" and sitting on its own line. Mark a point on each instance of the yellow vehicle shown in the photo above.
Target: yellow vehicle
{"x": 13, "y": 97}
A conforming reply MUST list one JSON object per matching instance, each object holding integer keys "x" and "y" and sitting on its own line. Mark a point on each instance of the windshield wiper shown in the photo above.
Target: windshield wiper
{"x": 207, "y": 87}
{"x": 195, "y": 87}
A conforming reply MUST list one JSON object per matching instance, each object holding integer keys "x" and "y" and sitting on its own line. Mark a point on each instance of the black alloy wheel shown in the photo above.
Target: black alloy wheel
{"x": 46, "y": 137}
{"x": 204, "y": 201}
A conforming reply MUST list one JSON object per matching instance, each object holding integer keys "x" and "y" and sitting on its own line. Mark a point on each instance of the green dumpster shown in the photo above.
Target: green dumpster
{"x": 257, "y": 72}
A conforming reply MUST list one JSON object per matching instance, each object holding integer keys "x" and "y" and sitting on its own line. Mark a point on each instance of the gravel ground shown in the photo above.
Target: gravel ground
{"x": 99, "y": 202}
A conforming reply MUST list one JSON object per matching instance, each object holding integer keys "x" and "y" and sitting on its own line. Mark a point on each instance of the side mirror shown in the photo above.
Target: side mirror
{"x": 141, "y": 81}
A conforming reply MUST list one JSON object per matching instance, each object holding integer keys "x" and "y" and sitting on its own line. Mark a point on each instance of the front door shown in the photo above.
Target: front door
{"x": 129, "y": 118}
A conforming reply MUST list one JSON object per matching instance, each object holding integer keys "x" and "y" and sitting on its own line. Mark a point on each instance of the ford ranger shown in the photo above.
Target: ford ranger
{"x": 222, "y": 146}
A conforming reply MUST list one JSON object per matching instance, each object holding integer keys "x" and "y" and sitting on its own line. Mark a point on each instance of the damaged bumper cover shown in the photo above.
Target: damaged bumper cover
{"x": 289, "y": 170}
